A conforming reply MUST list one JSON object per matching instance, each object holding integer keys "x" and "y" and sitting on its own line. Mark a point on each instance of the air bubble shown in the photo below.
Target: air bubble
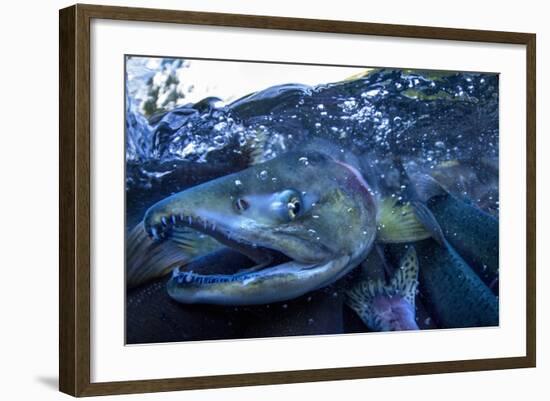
{"x": 263, "y": 175}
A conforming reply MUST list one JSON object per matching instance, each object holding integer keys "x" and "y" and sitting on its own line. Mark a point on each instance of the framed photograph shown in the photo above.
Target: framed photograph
{"x": 250, "y": 200}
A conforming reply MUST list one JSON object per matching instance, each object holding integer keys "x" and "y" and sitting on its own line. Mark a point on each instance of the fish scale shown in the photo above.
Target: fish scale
{"x": 330, "y": 228}
{"x": 454, "y": 293}
{"x": 473, "y": 233}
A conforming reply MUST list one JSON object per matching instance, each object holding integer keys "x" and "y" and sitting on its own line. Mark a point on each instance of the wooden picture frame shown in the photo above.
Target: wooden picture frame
{"x": 75, "y": 206}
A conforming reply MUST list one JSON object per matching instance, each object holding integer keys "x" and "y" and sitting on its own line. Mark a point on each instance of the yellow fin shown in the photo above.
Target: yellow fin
{"x": 398, "y": 223}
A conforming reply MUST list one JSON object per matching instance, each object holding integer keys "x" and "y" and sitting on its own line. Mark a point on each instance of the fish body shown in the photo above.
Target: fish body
{"x": 388, "y": 307}
{"x": 313, "y": 214}
{"x": 452, "y": 291}
{"x": 473, "y": 233}
{"x": 323, "y": 224}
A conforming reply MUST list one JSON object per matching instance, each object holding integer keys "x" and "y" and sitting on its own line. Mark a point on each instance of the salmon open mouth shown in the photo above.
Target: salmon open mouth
{"x": 267, "y": 274}
{"x": 255, "y": 257}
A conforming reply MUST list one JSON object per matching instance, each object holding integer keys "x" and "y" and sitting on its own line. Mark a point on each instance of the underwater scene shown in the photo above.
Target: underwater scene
{"x": 278, "y": 199}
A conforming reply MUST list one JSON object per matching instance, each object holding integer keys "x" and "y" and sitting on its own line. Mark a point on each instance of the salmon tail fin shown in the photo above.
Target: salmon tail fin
{"x": 360, "y": 298}
{"x": 405, "y": 280}
{"x": 398, "y": 223}
{"x": 147, "y": 258}
{"x": 192, "y": 242}
{"x": 404, "y": 283}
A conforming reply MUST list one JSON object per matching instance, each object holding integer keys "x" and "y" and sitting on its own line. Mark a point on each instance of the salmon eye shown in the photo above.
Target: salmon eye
{"x": 294, "y": 206}
{"x": 288, "y": 205}
{"x": 241, "y": 204}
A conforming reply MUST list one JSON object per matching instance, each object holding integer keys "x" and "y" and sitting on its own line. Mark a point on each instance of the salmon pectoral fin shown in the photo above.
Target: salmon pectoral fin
{"x": 398, "y": 223}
